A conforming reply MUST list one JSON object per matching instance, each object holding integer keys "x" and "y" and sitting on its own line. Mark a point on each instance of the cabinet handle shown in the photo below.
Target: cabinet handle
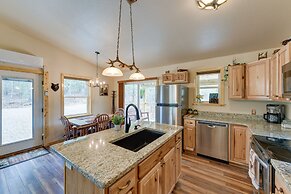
{"x": 125, "y": 186}
{"x": 163, "y": 164}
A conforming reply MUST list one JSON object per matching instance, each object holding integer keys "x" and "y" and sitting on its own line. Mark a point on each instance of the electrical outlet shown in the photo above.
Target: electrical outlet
{"x": 254, "y": 111}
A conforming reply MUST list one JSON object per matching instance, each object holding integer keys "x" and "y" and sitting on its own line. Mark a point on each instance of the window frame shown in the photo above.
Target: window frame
{"x": 89, "y": 99}
{"x": 221, "y": 87}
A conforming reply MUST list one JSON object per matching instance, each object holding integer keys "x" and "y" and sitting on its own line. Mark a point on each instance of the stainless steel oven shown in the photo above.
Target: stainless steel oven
{"x": 286, "y": 71}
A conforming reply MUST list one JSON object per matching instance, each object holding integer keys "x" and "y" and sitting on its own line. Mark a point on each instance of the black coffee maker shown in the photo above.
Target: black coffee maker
{"x": 275, "y": 113}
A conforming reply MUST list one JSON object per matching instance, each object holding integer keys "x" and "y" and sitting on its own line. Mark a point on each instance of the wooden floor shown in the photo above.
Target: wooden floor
{"x": 45, "y": 175}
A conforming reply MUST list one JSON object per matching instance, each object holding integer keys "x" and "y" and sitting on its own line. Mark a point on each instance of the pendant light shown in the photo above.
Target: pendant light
{"x": 96, "y": 83}
{"x": 113, "y": 71}
{"x": 210, "y": 4}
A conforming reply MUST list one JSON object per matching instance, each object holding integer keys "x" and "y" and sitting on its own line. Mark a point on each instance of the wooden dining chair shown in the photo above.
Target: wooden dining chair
{"x": 102, "y": 122}
{"x": 119, "y": 111}
{"x": 70, "y": 130}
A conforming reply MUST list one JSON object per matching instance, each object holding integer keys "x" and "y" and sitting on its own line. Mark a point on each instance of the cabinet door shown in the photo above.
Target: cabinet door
{"x": 275, "y": 77}
{"x": 189, "y": 138}
{"x": 239, "y": 144}
{"x": 236, "y": 82}
{"x": 258, "y": 79}
{"x": 168, "y": 179}
{"x": 178, "y": 159}
{"x": 285, "y": 54}
{"x": 151, "y": 182}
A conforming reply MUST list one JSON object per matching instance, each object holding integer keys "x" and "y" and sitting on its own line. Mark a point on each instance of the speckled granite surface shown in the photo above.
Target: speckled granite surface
{"x": 256, "y": 124}
{"x": 284, "y": 170}
{"x": 104, "y": 163}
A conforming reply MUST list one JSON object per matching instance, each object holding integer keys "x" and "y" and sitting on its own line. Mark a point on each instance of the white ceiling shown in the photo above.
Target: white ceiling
{"x": 166, "y": 31}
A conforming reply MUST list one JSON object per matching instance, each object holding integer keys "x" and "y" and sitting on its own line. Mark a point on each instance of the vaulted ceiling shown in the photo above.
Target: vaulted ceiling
{"x": 166, "y": 31}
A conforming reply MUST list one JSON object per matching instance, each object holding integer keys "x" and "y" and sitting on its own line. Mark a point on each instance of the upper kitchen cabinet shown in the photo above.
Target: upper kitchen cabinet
{"x": 285, "y": 54}
{"x": 258, "y": 80}
{"x": 275, "y": 77}
{"x": 236, "y": 89}
{"x": 176, "y": 78}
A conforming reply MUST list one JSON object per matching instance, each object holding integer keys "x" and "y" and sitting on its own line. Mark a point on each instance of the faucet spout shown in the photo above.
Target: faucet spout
{"x": 127, "y": 119}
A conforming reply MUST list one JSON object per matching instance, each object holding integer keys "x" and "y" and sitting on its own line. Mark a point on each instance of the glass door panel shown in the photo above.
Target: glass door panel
{"x": 17, "y": 110}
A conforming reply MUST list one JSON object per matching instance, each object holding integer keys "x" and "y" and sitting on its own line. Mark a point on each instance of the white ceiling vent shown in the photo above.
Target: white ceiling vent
{"x": 12, "y": 57}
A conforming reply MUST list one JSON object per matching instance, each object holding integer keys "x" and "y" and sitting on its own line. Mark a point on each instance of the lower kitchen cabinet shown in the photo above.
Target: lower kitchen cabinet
{"x": 189, "y": 135}
{"x": 151, "y": 182}
{"x": 168, "y": 172}
{"x": 239, "y": 144}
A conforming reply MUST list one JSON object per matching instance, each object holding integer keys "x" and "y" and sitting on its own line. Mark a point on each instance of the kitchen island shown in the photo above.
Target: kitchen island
{"x": 94, "y": 165}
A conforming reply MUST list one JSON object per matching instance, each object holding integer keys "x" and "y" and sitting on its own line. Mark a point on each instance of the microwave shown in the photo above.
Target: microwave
{"x": 286, "y": 71}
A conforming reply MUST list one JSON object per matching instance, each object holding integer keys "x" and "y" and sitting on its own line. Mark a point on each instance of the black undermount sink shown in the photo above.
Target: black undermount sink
{"x": 138, "y": 140}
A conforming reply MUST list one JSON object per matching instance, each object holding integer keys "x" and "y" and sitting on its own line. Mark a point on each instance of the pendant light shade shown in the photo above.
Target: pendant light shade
{"x": 210, "y": 4}
{"x": 112, "y": 72}
{"x": 137, "y": 76}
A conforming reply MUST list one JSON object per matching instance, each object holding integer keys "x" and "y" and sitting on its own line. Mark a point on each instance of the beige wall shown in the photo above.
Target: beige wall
{"x": 56, "y": 62}
{"x": 231, "y": 106}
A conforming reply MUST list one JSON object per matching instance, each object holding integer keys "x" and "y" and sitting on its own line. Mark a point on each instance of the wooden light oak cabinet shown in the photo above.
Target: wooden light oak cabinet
{"x": 275, "y": 77}
{"x": 168, "y": 172}
{"x": 189, "y": 138}
{"x": 178, "y": 159}
{"x": 151, "y": 182}
{"x": 239, "y": 144}
{"x": 258, "y": 80}
{"x": 236, "y": 83}
{"x": 284, "y": 54}
{"x": 176, "y": 78}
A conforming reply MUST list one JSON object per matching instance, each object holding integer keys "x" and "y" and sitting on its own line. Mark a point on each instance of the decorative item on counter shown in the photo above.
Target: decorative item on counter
{"x": 285, "y": 42}
{"x": 190, "y": 111}
{"x": 104, "y": 90}
{"x": 275, "y": 51}
{"x": 167, "y": 71}
{"x": 55, "y": 87}
{"x": 198, "y": 98}
{"x": 118, "y": 121}
{"x": 262, "y": 55}
{"x": 195, "y": 112}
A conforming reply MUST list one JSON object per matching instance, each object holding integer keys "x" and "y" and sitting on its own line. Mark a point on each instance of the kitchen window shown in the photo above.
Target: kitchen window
{"x": 210, "y": 88}
{"x": 76, "y": 96}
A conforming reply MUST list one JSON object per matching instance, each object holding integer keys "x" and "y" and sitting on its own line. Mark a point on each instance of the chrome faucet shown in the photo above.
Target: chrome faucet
{"x": 127, "y": 119}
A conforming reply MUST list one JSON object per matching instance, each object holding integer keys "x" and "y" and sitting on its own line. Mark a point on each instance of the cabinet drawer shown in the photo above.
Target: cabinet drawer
{"x": 127, "y": 184}
{"x": 178, "y": 137}
{"x": 145, "y": 166}
{"x": 189, "y": 123}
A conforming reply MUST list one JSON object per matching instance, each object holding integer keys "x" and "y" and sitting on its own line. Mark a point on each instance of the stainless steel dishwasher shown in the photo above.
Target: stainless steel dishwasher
{"x": 212, "y": 139}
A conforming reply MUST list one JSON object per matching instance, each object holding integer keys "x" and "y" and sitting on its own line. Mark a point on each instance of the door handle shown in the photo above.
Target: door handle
{"x": 211, "y": 126}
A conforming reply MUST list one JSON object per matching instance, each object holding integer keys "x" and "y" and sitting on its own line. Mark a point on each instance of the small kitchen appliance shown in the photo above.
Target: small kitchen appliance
{"x": 275, "y": 113}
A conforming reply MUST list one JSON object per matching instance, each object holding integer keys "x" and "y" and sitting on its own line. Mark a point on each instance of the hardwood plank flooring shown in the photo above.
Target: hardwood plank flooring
{"x": 199, "y": 175}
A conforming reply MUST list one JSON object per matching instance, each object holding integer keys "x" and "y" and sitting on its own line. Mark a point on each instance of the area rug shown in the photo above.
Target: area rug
{"x": 12, "y": 160}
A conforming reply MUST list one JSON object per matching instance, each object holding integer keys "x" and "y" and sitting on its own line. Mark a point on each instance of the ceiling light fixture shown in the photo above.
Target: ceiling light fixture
{"x": 210, "y": 4}
{"x": 114, "y": 71}
{"x": 96, "y": 83}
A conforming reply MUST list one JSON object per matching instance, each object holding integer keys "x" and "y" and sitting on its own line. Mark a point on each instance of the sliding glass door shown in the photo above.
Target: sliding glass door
{"x": 21, "y": 111}
{"x": 142, "y": 94}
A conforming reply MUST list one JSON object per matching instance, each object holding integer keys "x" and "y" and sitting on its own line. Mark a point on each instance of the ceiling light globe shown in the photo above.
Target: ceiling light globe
{"x": 112, "y": 72}
{"x": 137, "y": 76}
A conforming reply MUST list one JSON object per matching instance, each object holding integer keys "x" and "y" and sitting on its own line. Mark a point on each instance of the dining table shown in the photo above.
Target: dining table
{"x": 85, "y": 120}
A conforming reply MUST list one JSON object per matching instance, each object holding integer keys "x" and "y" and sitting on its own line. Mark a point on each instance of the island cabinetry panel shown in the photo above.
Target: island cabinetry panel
{"x": 189, "y": 135}
{"x": 178, "y": 159}
{"x": 127, "y": 184}
{"x": 168, "y": 179}
{"x": 239, "y": 144}
{"x": 236, "y": 83}
{"x": 76, "y": 183}
{"x": 258, "y": 80}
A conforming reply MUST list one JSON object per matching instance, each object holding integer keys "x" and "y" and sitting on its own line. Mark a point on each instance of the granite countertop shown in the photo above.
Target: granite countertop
{"x": 103, "y": 162}
{"x": 284, "y": 170}
{"x": 256, "y": 124}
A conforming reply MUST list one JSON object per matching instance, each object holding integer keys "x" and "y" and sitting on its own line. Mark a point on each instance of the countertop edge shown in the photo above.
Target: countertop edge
{"x": 275, "y": 164}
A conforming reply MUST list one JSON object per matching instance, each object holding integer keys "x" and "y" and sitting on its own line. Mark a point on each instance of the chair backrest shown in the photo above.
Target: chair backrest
{"x": 68, "y": 127}
{"x": 119, "y": 111}
{"x": 102, "y": 122}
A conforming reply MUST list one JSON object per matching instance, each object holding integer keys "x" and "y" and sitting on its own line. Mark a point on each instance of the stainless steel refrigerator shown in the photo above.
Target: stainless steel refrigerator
{"x": 172, "y": 104}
